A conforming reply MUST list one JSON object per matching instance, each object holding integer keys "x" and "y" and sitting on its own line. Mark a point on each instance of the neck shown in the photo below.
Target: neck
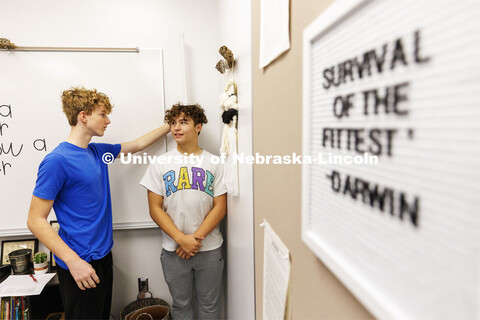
{"x": 78, "y": 137}
{"x": 189, "y": 149}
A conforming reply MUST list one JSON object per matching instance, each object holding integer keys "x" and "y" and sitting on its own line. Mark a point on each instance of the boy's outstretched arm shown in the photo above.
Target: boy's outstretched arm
{"x": 188, "y": 242}
{"x": 82, "y": 272}
{"x": 145, "y": 140}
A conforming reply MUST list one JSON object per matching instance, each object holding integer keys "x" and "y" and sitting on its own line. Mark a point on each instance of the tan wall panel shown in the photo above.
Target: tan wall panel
{"x": 277, "y": 123}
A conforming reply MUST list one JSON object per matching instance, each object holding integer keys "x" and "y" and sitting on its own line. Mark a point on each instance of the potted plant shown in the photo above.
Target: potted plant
{"x": 40, "y": 262}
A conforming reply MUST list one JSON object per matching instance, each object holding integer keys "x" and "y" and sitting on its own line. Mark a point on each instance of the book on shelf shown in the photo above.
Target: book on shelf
{"x": 15, "y": 308}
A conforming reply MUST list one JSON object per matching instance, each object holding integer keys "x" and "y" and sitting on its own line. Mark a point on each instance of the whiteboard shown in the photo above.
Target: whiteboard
{"x": 33, "y": 124}
{"x": 403, "y": 234}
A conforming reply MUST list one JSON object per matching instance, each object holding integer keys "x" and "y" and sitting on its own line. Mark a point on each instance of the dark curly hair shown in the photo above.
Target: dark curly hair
{"x": 193, "y": 111}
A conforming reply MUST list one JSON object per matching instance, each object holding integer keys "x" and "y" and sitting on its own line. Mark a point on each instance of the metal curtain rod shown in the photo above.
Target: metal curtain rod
{"x": 72, "y": 49}
{"x": 6, "y": 45}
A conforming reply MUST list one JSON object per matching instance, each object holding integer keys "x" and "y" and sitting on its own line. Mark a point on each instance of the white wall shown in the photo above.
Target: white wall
{"x": 129, "y": 23}
{"x": 235, "y": 32}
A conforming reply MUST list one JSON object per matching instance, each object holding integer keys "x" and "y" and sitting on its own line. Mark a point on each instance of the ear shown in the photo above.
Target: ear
{"x": 199, "y": 127}
{"x": 82, "y": 117}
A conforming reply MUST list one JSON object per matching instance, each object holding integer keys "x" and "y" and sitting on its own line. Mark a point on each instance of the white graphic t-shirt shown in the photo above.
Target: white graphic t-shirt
{"x": 188, "y": 185}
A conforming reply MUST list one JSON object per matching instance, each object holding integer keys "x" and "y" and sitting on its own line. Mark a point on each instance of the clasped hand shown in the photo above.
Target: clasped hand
{"x": 189, "y": 246}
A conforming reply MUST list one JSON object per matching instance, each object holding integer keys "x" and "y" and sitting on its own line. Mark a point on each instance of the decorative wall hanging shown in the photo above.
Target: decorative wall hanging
{"x": 229, "y": 104}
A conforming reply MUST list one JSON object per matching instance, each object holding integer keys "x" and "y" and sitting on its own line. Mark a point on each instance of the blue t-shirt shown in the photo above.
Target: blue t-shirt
{"x": 77, "y": 179}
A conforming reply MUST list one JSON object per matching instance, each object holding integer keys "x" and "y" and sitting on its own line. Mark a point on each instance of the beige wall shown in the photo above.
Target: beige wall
{"x": 277, "y": 129}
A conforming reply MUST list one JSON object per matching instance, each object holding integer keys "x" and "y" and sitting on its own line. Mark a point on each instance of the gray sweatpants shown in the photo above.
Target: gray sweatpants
{"x": 204, "y": 271}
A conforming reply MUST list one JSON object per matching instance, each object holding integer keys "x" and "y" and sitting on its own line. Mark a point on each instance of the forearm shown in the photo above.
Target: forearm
{"x": 81, "y": 271}
{"x": 149, "y": 138}
{"x": 187, "y": 242}
{"x": 44, "y": 232}
{"x": 213, "y": 218}
{"x": 145, "y": 140}
{"x": 163, "y": 220}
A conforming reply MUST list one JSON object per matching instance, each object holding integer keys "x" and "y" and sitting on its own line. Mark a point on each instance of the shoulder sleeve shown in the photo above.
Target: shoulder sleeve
{"x": 51, "y": 177}
{"x": 219, "y": 186}
{"x": 153, "y": 180}
{"x": 103, "y": 148}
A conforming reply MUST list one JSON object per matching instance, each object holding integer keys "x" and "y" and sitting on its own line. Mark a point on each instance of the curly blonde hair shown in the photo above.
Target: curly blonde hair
{"x": 78, "y": 99}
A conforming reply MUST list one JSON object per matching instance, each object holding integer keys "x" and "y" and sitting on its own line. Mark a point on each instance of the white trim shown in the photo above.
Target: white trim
{"x": 15, "y": 232}
{"x": 337, "y": 11}
{"x": 183, "y": 54}
{"x": 116, "y": 226}
{"x": 134, "y": 225}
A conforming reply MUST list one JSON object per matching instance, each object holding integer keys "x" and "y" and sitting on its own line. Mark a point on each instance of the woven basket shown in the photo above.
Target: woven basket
{"x": 156, "y": 312}
{"x": 142, "y": 303}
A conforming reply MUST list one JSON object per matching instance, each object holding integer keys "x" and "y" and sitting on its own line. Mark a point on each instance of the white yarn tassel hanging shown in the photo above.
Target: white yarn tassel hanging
{"x": 228, "y": 100}
{"x": 225, "y": 148}
{"x": 231, "y": 164}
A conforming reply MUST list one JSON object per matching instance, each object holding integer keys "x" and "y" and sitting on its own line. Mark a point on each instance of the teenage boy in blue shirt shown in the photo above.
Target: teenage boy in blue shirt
{"x": 73, "y": 179}
{"x": 187, "y": 200}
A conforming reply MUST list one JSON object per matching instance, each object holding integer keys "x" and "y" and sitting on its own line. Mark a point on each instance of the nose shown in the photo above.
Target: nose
{"x": 108, "y": 120}
{"x": 176, "y": 126}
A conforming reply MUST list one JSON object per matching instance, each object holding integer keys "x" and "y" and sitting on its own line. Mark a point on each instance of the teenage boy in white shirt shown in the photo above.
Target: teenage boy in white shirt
{"x": 187, "y": 200}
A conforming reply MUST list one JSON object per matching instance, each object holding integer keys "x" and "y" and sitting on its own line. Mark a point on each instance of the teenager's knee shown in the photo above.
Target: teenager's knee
{"x": 208, "y": 310}
{"x": 182, "y": 303}
{"x": 181, "y": 309}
